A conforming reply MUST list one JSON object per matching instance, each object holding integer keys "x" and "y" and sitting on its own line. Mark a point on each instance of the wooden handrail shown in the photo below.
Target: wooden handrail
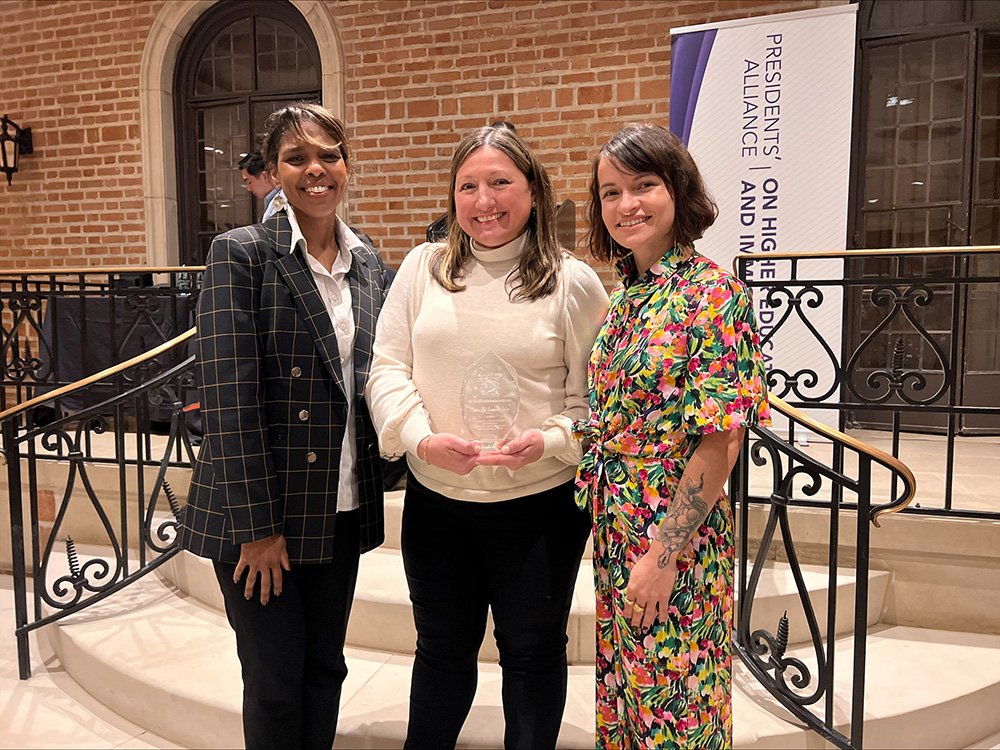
{"x": 886, "y": 459}
{"x": 113, "y": 370}
{"x": 953, "y": 249}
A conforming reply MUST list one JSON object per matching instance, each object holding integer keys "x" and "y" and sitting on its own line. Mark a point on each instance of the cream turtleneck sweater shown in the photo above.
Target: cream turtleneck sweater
{"x": 428, "y": 337}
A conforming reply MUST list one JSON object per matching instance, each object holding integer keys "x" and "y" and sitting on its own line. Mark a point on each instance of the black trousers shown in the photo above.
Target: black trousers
{"x": 519, "y": 558}
{"x": 292, "y": 649}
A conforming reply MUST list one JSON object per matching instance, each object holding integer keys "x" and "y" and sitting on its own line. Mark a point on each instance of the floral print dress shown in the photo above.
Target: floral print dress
{"x": 678, "y": 357}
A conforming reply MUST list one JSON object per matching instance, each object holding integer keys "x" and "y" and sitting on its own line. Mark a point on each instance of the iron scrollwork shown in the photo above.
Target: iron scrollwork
{"x": 96, "y": 575}
{"x": 905, "y": 363}
{"x": 93, "y": 576}
{"x": 780, "y": 381}
{"x": 765, "y": 651}
{"x": 89, "y": 321}
{"x": 136, "y": 528}
{"x": 905, "y": 384}
{"x": 21, "y": 364}
{"x": 796, "y": 682}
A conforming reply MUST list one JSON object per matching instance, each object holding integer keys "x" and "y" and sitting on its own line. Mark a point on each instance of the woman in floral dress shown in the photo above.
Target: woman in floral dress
{"x": 676, "y": 375}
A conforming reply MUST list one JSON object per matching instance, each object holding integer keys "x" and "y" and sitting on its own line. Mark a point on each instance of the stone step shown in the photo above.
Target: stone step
{"x": 776, "y": 595}
{"x": 987, "y": 743}
{"x": 923, "y": 689}
{"x": 166, "y": 662}
{"x": 382, "y": 619}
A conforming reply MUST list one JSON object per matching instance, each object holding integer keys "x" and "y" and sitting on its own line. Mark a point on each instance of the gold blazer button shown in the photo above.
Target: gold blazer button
{"x": 296, "y": 372}
{"x": 303, "y": 415}
{"x": 310, "y": 458}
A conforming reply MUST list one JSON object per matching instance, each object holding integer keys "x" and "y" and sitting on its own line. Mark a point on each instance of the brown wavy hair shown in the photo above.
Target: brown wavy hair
{"x": 652, "y": 149}
{"x": 291, "y": 118}
{"x": 537, "y": 271}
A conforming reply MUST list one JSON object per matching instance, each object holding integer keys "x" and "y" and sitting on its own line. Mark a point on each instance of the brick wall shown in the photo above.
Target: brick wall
{"x": 567, "y": 74}
{"x": 71, "y": 74}
{"x": 419, "y": 75}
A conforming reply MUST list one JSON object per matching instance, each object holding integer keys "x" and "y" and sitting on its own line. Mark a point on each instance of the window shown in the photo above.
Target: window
{"x": 238, "y": 63}
{"x": 927, "y": 174}
{"x": 929, "y": 147}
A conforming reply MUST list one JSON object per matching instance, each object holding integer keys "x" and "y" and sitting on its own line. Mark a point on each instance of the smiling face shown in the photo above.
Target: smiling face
{"x": 638, "y": 211}
{"x": 492, "y": 198}
{"x": 311, "y": 171}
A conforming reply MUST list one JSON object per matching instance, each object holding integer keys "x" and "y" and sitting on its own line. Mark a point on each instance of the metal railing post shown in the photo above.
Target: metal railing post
{"x": 12, "y": 454}
{"x": 861, "y": 601}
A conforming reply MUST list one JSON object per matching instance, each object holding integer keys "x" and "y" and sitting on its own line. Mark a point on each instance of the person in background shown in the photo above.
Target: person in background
{"x": 287, "y": 489}
{"x": 257, "y": 180}
{"x": 503, "y": 313}
{"x": 676, "y": 376}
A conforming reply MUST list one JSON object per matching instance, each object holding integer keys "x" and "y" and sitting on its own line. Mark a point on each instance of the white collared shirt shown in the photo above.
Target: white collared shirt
{"x": 335, "y": 289}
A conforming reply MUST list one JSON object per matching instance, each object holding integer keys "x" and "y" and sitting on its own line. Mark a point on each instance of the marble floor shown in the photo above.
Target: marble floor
{"x": 51, "y": 710}
{"x": 976, "y": 468}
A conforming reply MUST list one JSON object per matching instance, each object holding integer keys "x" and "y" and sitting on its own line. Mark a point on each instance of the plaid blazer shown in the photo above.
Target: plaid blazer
{"x": 273, "y": 400}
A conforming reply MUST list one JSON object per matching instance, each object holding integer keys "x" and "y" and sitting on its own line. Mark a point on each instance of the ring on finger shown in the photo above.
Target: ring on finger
{"x": 630, "y": 602}
{"x": 637, "y": 608}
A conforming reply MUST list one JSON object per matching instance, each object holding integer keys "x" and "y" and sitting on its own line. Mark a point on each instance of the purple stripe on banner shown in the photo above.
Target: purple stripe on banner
{"x": 688, "y": 60}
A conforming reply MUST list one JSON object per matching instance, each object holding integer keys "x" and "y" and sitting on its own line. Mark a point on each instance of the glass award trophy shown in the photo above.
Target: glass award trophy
{"x": 489, "y": 401}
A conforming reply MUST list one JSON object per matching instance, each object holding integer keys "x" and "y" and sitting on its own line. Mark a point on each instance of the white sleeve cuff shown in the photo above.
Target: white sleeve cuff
{"x": 414, "y": 429}
{"x": 559, "y": 441}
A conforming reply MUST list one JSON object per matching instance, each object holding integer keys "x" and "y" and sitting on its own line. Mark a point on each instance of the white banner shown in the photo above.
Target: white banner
{"x": 764, "y": 105}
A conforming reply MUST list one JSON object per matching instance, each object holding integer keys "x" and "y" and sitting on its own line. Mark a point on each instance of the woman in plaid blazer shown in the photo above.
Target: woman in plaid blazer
{"x": 287, "y": 490}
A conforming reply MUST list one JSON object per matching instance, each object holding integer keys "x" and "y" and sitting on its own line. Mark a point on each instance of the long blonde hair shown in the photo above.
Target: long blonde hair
{"x": 537, "y": 271}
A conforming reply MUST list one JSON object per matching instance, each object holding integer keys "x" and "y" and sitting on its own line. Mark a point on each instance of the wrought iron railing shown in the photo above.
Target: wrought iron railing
{"x": 131, "y": 516}
{"x": 799, "y": 681}
{"x": 144, "y": 536}
{"x": 59, "y": 325}
{"x": 919, "y": 352}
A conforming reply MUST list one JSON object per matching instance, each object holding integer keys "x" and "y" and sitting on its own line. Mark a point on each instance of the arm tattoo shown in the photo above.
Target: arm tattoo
{"x": 684, "y": 516}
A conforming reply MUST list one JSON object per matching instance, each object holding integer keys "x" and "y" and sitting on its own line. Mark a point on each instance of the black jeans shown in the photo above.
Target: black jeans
{"x": 292, "y": 650}
{"x": 519, "y": 558}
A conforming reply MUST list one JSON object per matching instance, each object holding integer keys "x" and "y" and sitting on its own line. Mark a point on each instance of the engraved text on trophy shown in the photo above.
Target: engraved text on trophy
{"x": 489, "y": 400}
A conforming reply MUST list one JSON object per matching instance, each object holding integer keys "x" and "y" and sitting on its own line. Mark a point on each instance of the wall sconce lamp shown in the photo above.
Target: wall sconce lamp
{"x": 11, "y": 146}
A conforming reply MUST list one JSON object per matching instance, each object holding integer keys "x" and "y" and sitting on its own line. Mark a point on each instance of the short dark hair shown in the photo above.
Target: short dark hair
{"x": 253, "y": 163}
{"x": 652, "y": 149}
{"x": 291, "y": 118}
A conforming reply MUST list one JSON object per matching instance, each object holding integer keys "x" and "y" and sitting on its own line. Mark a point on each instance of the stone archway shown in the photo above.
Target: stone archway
{"x": 156, "y": 107}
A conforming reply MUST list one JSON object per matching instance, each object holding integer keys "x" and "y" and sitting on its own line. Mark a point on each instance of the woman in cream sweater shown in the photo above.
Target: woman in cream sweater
{"x": 479, "y": 370}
